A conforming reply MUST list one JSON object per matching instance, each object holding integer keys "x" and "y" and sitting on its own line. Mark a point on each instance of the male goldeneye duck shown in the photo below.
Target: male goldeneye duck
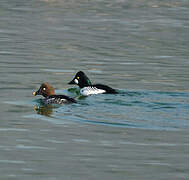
{"x": 87, "y": 88}
{"x": 47, "y": 91}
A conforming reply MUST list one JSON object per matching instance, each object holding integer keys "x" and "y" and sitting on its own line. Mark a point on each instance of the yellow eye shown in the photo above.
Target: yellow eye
{"x": 78, "y": 77}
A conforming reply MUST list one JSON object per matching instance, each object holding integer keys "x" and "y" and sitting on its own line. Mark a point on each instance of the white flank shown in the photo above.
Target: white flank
{"x": 86, "y": 91}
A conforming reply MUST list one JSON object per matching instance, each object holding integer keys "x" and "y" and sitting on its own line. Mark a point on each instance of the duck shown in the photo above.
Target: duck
{"x": 87, "y": 88}
{"x": 48, "y": 92}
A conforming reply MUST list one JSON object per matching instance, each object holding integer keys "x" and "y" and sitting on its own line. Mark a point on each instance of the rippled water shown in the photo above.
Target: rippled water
{"x": 137, "y": 47}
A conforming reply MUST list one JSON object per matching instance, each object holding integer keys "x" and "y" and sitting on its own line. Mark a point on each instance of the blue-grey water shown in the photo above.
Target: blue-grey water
{"x": 140, "y": 48}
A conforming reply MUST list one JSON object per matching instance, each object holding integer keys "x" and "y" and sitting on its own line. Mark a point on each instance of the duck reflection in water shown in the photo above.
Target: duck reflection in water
{"x": 44, "y": 110}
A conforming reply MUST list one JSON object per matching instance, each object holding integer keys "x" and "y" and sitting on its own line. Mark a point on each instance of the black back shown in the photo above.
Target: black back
{"x": 108, "y": 89}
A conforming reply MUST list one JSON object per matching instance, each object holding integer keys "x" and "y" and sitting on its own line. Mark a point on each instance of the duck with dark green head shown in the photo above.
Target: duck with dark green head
{"x": 87, "y": 88}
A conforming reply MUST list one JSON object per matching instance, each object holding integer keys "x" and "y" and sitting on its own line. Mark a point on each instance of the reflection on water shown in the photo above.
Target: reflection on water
{"x": 44, "y": 110}
{"x": 129, "y": 109}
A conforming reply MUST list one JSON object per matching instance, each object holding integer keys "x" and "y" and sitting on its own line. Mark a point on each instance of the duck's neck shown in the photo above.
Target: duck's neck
{"x": 49, "y": 94}
{"x": 85, "y": 83}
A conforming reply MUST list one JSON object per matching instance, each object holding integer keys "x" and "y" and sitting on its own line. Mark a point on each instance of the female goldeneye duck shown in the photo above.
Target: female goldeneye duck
{"x": 47, "y": 91}
{"x": 87, "y": 88}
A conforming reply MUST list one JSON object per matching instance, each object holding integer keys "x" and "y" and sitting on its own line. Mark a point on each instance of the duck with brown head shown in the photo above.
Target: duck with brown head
{"x": 47, "y": 91}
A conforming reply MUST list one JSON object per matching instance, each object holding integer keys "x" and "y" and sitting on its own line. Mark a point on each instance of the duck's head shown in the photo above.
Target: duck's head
{"x": 81, "y": 80}
{"x": 45, "y": 90}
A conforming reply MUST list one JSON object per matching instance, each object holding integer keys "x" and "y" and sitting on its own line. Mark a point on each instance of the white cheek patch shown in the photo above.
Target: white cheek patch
{"x": 86, "y": 91}
{"x": 76, "y": 81}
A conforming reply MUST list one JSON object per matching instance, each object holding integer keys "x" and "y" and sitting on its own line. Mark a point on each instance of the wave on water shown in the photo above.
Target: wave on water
{"x": 129, "y": 109}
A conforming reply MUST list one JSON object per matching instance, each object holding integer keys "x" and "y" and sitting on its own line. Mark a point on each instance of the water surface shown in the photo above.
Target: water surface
{"x": 138, "y": 47}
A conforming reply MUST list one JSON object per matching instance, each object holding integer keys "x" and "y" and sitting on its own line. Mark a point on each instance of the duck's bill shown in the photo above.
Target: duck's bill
{"x": 35, "y": 93}
{"x": 72, "y": 82}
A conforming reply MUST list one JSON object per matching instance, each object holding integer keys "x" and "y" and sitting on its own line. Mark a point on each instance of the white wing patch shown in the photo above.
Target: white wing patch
{"x": 86, "y": 91}
{"x": 55, "y": 101}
